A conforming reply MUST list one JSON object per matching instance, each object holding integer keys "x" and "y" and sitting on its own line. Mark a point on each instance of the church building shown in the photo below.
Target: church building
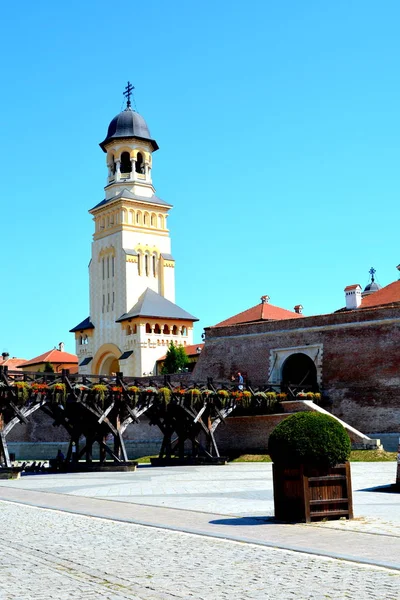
{"x": 133, "y": 315}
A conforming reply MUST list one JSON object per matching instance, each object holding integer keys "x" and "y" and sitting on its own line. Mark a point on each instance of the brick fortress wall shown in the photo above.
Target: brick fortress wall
{"x": 360, "y": 362}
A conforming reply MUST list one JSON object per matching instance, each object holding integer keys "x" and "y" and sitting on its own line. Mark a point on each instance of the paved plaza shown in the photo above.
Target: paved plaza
{"x": 192, "y": 532}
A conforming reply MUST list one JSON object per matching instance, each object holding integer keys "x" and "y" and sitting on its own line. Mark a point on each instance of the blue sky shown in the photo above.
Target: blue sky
{"x": 279, "y": 134}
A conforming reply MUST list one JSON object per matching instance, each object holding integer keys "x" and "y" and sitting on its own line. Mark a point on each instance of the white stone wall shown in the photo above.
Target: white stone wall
{"x": 147, "y": 347}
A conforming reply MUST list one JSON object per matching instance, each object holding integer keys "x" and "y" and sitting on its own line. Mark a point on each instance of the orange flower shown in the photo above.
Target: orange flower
{"x": 39, "y": 388}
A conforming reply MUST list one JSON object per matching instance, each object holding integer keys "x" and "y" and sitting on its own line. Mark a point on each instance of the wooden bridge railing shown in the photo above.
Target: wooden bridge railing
{"x": 98, "y": 409}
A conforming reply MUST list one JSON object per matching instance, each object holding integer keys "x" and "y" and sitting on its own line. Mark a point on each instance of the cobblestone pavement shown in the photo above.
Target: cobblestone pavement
{"x": 50, "y": 555}
{"x": 239, "y": 489}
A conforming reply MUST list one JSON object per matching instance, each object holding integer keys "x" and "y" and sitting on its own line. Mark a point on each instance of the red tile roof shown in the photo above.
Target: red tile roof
{"x": 352, "y": 287}
{"x": 260, "y": 312}
{"x": 13, "y": 363}
{"x": 190, "y": 350}
{"x": 52, "y": 356}
{"x": 386, "y": 295}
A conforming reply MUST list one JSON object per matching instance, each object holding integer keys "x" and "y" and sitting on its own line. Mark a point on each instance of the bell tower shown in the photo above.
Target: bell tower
{"x": 131, "y": 271}
{"x": 129, "y": 147}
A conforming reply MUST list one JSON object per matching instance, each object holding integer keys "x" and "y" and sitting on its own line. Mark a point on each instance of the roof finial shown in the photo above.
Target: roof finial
{"x": 372, "y": 272}
{"x": 128, "y": 93}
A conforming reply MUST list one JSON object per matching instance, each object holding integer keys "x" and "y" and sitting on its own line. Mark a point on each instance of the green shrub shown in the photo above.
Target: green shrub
{"x": 310, "y": 438}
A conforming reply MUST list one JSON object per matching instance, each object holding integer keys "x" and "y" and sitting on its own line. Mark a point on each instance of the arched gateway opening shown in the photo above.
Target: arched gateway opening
{"x": 299, "y": 370}
{"x": 110, "y": 366}
{"x": 106, "y": 360}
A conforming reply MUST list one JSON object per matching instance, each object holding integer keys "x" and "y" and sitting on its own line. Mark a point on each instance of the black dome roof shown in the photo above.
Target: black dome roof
{"x": 126, "y": 125}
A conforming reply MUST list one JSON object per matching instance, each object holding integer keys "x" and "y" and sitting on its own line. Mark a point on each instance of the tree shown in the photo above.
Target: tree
{"x": 48, "y": 368}
{"x": 182, "y": 358}
{"x": 176, "y": 359}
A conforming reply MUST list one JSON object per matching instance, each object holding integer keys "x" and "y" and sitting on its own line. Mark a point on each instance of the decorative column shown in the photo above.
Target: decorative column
{"x": 118, "y": 170}
{"x": 133, "y": 165}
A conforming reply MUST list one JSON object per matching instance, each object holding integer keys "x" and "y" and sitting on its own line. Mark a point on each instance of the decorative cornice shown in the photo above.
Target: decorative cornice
{"x": 143, "y": 248}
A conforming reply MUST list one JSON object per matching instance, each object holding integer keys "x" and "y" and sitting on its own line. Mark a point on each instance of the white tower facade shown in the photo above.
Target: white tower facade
{"x": 133, "y": 315}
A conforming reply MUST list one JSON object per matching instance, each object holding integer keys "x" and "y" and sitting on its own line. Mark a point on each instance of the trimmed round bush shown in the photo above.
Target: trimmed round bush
{"x": 310, "y": 438}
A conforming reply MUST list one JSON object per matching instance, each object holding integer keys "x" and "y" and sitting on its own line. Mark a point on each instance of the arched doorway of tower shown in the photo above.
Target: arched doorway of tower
{"x": 299, "y": 370}
{"x": 110, "y": 366}
{"x": 106, "y": 360}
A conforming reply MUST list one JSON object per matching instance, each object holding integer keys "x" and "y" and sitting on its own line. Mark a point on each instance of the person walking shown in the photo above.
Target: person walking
{"x": 240, "y": 381}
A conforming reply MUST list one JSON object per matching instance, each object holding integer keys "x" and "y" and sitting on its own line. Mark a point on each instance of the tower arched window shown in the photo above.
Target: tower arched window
{"x": 139, "y": 263}
{"x": 146, "y": 264}
{"x": 148, "y": 328}
{"x": 139, "y": 163}
{"x": 166, "y": 330}
{"x": 157, "y": 328}
{"x": 154, "y": 260}
{"x": 174, "y": 330}
{"x": 146, "y": 218}
{"x": 153, "y": 220}
{"x": 139, "y": 217}
{"x": 126, "y": 166}
{"x": 184, "y": 330}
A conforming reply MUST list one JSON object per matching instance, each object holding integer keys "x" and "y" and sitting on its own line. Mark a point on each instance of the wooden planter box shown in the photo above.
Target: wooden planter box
{"x": 306, "y": 493}
{"x": 10, "y": 472}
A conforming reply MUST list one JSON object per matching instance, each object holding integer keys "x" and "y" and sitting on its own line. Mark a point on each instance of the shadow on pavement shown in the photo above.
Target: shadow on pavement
{"x": 246, "y": 521}
{"x": 391, "y": 488}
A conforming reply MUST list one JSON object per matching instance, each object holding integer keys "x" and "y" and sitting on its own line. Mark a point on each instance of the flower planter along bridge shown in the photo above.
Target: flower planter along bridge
{"x": 98, "y": 409}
